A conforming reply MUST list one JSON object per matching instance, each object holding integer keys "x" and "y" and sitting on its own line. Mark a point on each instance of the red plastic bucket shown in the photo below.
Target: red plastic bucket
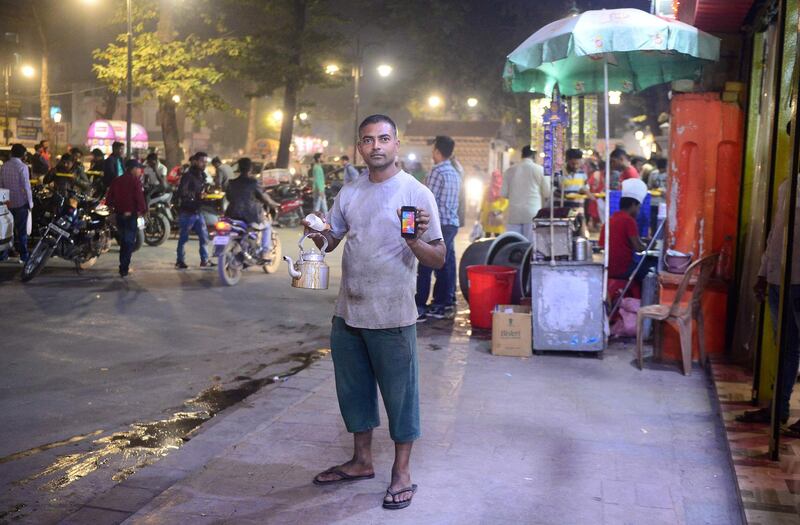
{"x": 488, "y": 287}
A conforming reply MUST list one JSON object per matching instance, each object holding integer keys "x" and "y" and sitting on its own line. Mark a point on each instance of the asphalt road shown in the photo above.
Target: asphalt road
{"x": 94, "y": 365}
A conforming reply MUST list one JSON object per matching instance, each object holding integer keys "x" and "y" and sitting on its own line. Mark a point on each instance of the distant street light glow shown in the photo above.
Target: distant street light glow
{"x": 303, "y": 116}
{"x": 639, "y": 135}
{"x": 325, "y": 143}
{"x": 472, "y": 102}
{"x": 276, "y": 116}
{"x": 27, "y": 71}
{"x": 331, "y": 69}
{"x": 434, "y": 101}
{"x": 385, "y": 70}
{"x": 176, "y": 99}
{"x": 57, "y": 118}
{"x": 614, "y": 97}
{"x": 412, "y": 156}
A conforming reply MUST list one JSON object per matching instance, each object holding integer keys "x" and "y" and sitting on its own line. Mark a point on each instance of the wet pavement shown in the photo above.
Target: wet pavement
{"x": 105, "y": 376}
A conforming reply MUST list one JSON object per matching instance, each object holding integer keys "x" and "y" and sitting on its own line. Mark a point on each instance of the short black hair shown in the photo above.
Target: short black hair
{"x": 18, "y": 150}
{"x": 245, "y": 165}
{"x": 627, "y": 202}
{"x": 76, "y": 151}
{"x": 97, "y": 152}
{"x": 317, "y": 156}
{"x": 376, "y": 119}
{"x": 661, "y": 164}
{"x": 152, "y": 156}
{"x": 574, "y": 153}
{"x": 619, "y": 153}
{"x": 216, "y": 160}
{"x": 445, "y": 145}
{"x": 200, "y": 154}
{"x": 66, "y": 157}
{"x": 527, "y": 152}
{"x": 345, "y": 158}
{"x": 116, "y": 144}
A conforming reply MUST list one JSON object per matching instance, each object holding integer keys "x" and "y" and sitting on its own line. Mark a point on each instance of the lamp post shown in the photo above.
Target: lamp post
{"x": 129, "y": 90}
{"x": 57, "y": 119}
{"x": 27, "y": 72}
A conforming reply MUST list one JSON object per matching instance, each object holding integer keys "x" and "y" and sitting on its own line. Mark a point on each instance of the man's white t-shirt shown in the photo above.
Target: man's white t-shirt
{"x": 379, "y": 270}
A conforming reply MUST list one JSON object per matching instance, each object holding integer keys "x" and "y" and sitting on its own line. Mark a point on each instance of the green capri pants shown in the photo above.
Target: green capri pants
{"x": 364, "y": 359}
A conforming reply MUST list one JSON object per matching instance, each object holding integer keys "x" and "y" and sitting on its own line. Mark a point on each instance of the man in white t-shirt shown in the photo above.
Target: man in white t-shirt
{"x": 374, "y": 338}
{"x": 527, "y": 190}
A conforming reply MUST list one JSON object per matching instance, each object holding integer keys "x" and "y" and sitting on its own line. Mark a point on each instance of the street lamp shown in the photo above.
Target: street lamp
{"x": 57, "y": 119}
{"x": 384, "y": 70}
{"x": 331, "y": 69}
{"x": 434, "y": 101}
{"x": 276, "y": 116}
{"x": 472, "y": 102}
{"x": 176, "y": 98}
{"x": 27, "y": 71}
{"x": 303, "y": 116}
{"x": 614, "y": 97}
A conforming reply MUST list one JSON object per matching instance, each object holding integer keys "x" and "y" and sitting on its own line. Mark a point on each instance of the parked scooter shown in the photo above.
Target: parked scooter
{"x": 237, "y": 246}
{"x": 80, "y": 232}
{"x": 290, "y": 213}
{"x": 158, "y": 223}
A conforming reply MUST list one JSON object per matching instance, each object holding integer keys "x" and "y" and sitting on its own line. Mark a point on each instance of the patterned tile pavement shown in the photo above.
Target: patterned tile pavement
{"x": 770, "y": 491}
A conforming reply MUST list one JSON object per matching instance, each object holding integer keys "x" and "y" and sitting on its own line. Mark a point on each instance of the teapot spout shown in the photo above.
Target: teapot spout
{"x": 292, "y": 271}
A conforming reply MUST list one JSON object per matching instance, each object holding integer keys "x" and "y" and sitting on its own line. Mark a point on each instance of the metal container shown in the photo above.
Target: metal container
{"x": 580, "y": 250}
{"x": 567, "y": 306}
{"x": 561, "y": 241}
{"x": 310, "y": 270}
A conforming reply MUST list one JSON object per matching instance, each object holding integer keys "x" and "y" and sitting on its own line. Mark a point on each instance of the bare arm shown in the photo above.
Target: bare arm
{"x": 317, "y": 236}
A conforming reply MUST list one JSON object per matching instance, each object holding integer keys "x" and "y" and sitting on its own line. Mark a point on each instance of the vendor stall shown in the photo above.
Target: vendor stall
{"x": 103, "y": 133}
{"x": 623, "y": 50}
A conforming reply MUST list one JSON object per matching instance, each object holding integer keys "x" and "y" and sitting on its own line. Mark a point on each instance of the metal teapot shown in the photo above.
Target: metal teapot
{"x": 310, "y": 270}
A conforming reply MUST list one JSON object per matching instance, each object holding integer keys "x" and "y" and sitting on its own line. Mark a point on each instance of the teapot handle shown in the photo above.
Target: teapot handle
{"x": 324, "y": 243}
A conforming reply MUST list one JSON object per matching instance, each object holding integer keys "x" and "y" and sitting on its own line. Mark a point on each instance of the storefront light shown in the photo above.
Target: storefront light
{"x": 614, "y": 97}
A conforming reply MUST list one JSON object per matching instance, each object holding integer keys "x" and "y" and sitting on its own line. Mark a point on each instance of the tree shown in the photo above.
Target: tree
{"x": 289, "y": 55}
{"x": 165, "y": 66}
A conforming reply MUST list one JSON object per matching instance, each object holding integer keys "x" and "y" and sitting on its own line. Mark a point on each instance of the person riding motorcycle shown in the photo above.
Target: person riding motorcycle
{"x": 155, "y": 177}
{"x": 246, "y": 203}
{"x": 81, "y": 182}
{"x": 63, "y": 175}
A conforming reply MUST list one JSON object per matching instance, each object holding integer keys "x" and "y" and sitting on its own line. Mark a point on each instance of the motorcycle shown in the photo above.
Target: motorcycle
{"x": 291, "y": 212}
{"x": 158, "y": 223}
{"x": 237, "y": 246}
{"x": 79, "y": 233}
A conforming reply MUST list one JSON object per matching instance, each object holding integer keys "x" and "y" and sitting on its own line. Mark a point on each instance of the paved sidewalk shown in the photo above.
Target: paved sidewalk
{"x": 553, "y": 439}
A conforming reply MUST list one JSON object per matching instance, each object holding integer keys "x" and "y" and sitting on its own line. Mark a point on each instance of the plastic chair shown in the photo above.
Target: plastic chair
{"x": 679, "y": 314}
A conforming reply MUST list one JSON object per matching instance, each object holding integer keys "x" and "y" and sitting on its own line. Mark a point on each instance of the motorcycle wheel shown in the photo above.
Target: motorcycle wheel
{"x": 156, "y": 230}
{"x": 275, "y": 256}
{"x": 229, "y": 266}
{"x": 37, "y": 260}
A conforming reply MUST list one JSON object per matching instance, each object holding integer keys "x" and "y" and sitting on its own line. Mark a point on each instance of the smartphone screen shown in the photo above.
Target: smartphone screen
{"x": 408, "y": 221}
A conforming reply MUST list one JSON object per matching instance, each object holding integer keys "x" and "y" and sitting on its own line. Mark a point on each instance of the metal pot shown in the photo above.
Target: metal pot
{"x": 580, "y": 249}
{"x": 677, "y": 262}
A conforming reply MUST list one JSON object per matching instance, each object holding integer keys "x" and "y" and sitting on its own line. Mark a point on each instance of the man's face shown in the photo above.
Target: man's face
{"x": 201, "y": 162}
{"x": 574, "y": 165}
{"x": 378, "y": 145}
{"x": 45, "y": 145}
{"x": 117, "y": 150}
{"x": 152, "y": 163}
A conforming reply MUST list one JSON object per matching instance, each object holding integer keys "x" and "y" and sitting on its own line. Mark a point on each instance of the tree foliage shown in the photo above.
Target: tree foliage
{"x": 188, "y": 68}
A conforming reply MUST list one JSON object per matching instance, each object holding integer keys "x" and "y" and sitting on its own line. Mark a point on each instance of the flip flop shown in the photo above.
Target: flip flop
{"x": 343, "y": 477}
{"x": 762, "y": 415}
{"x": 392, "y": 505}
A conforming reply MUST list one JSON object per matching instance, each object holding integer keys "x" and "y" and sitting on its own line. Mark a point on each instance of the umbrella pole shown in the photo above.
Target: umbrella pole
{"x": 607, "y": 181}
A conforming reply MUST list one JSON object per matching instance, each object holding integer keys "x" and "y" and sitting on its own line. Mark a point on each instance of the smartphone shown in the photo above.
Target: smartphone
{"x": 408, "y": 222}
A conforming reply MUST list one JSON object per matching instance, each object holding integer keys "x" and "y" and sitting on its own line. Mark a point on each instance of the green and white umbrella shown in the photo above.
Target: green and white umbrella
{"x": 608, "y": 50}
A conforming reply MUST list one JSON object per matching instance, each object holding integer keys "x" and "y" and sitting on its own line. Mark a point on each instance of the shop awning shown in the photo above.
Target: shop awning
{"x": 714, "y": 16}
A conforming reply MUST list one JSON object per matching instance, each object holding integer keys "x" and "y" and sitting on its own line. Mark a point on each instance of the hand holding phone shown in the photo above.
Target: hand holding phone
{"x": 408, "y": 222}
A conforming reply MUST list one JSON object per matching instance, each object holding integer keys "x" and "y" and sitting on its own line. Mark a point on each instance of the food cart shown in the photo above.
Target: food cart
{"x": 623, "y": 50}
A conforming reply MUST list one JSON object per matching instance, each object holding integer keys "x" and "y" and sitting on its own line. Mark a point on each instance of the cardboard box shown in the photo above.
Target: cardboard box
{"x": 511, "y": 330}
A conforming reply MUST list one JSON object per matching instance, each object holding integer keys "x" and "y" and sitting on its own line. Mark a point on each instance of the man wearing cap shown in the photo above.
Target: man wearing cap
{"x": 126, "y": 197}
{"x": 623, "y": 239}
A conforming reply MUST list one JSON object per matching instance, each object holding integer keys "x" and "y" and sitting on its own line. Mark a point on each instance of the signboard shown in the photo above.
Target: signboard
{"x": 14, "y": 107}
{"x": 555, "y": 122}
{"x": 28, "y": 129}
